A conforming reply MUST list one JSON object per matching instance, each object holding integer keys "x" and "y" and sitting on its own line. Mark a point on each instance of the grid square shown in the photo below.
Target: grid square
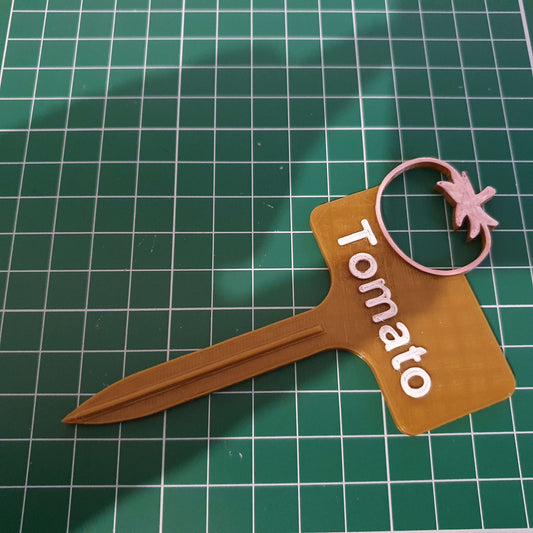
{"x": 233, "y": 24}
{"x": 275, "y": 414}
{"x": 139, "y": 462}
{"x": 318, "y": 372}
{"x": 26, "y": 290}
{"x": 18, "y": 83}
{"x": 165, "y": 24}
{"x": 128, "y": 53}
{"x": 49, "y": 410}
{"x": 268, "y": 24}
{"x": 130, "y": 24}
{"x": 122, "y": 113}
{"x": 13, "y": 465}
{"x": 45, "y": 146}
{"x": 321, "y": 508}
{"x": 525, "y": 444}
{"x": 233, "y": 113}
{"x": 62, "y": 331}
{"x": 31, "y": 252}
{"x": 45, "y": 505}
{"x": 149, "y": 289}
{"x": 82, "y": 146}
{"x": 158, "y": 82}
{"x": 74, "y": 214}
{"x": 92, "y": 378}
{"x": 503, "y": 464}
{"x": 343, "y": 113}
{"x": 190, "y": 329}
{"x": 11, "y": 177}
{"x": 155, "y": 179}
{"x": 15, "y": 114}
{"x": 71, "y": 251}
{"x": 269, "y": 82}
{"x": 275, "y": 461}
{"x": 233, "y": 214}
{"x": 514, "y": 324}
{"x": 409, "y": 458}
{"x": 185, "y": 462}
{"x": 502, "y": 504}
{"x": 67, "y": 290}
{"x": 114, "y": 214}
{"x": 105, "y": 330}
{"x": 191, "y": 289}
{"x": 59, "y": 372}
{"x": 304, "y": 53}
{"x": 232, "y": 289}
{"x": 111, "y": 251}
{"x": 310, "y": 287}
{"x": 23, "y": 53}
{"x": 325, "y": 417}
{"x": 364, "y": 459}
{"x": 26, "y": 25}
{"x": 193, "y": 251}
{"x": 116, "y": 179}
{"x": 362, "y": 502}
{"x": 320, "y": 461}
{"x": 148, "y": 330}
{"x": 234, "y": 52}
{"x": 403, "y": 518}
{"x": 50, "y": 463}
{"x": 17, "y": 412}
{"x": 12, "y": 147}
{"x": 268, "y": 53}
{"x": 61, "y": 25}
{"x": 184, "y": 509}
{"x": 154, "y": 214}
{"x": 512, "y": 286}
{"x": 88, "y": 115}
{"x": 230, "y": 461}
{"x": 362, "y": 413}
{"x": 93, "y": 53}
{"x": 57, "y": 53}
{"x": 163, "y": 52}
{"x": 108, "y": 290}
{"x": 90, "y": 505}
{"x": 158, "y": 145}
{"x": 233, "y": 146}
{"x": 231, "y": 508}
{"x": 276, "y": 508}
{"x": 453, "y": 457}
{"x": 458, "y": 505}
{"x": 231, "y": 415}
{"x": 126, "y": 82}
{"x": 18, "y": 373}
{"x": 132, "y": 504}
{"x": 230, "y": 323}
{"x": 94, "y": 25}
{"x": 231, "y": 179}
{"x": 272, "y": 288}
{"x": 416, "y": 112}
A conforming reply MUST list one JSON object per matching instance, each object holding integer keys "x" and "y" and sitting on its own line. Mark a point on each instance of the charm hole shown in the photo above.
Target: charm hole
{"x": 419, "y": 221}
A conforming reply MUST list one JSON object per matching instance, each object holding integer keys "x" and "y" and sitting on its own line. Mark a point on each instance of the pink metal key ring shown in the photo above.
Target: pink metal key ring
{"x": 460, "y": 194}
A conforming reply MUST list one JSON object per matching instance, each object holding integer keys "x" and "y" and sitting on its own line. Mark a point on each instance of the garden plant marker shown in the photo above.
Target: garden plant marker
{"x": 421, "y": 330}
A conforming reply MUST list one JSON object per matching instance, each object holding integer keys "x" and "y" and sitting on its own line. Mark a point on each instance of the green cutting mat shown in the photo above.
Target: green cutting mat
{"x": 158, "y": 163}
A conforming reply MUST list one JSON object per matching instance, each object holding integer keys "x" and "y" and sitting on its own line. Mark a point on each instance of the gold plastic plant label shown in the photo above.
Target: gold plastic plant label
{"x": 421, "y": 330}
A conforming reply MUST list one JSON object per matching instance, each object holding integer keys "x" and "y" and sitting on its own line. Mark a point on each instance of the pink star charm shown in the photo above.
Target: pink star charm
{"x": 467, "y": 204}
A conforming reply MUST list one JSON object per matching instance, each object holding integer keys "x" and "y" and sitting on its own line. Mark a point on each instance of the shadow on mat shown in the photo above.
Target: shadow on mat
{"x": 185, "y": 427}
